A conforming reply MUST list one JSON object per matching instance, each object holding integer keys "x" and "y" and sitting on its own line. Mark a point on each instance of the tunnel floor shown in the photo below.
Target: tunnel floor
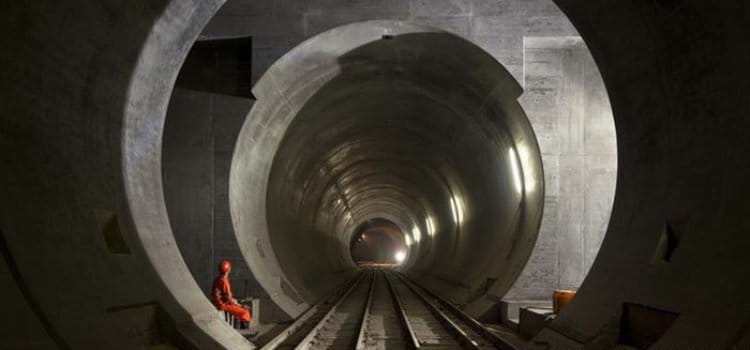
{"x": 381, "y": 308}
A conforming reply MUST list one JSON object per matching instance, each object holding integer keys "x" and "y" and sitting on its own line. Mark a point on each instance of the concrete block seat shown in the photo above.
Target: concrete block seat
{"x": 532, "y": 319}
{"x": 252, "y": 304}
{"x": 510, "y": 310}
{"x": 526, "y": 317}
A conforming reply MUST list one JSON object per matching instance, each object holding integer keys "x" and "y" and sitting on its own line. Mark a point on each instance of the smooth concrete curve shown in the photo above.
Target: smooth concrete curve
{"x": 392, "y": 120}
{"x": 85, "y": 232}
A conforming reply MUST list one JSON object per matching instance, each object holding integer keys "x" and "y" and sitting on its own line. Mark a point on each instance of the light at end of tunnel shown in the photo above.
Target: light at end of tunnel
{"x": 516, "y": 170}
{"x": 400, "y": 256}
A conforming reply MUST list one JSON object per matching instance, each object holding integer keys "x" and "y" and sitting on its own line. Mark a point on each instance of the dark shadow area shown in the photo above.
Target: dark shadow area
{"x": 24, "y": 289}
{"x": 219, "y": 65}
{"x": 641, "y": 326}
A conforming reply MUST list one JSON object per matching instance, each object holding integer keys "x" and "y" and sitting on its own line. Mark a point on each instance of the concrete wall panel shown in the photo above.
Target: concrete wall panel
{"x": 569, "y": 109}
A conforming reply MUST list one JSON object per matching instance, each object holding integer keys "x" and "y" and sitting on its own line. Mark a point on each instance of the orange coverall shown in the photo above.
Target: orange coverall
{"x": 221, "y": 296}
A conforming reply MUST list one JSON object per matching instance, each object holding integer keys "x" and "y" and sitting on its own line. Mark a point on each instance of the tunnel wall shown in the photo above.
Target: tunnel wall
{"x": 24, "y": 330}
{"x": 677, "y": 243}
{"x": 567, "y": 104}
{"x": 85, "y": 234}
{"x": 197, "y": 151}
{"x": 199, "y": 136}
{"x": 496, "y": 26}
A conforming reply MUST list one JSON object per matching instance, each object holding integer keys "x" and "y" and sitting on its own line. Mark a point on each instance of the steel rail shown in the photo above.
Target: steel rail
{"x": 496, "y": 340}
{"x": 361, "y": 339}
{"x": 402, "y": 314}
{"x": 302, "y": 320}
{"x": 307, "y": 341}
{"x": 459, "y": 333}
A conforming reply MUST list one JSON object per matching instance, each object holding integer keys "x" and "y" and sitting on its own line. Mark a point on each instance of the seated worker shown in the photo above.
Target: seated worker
{"x": 222, "y": 298}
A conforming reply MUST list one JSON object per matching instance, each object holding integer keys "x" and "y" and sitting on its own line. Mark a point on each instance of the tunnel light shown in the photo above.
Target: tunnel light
{"x": 516, "y": 170}
{"x": 400, "y": 256}
{"x": 408, "y": 240}
{"x": 430, "y": 223}
{"x": 529, "y": 178}
{"x": 417, "y": 233}
{"x": 457, "y": 209}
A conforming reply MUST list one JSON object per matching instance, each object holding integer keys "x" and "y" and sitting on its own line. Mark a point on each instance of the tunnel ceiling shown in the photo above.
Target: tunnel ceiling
{"x": 386, "y": 120}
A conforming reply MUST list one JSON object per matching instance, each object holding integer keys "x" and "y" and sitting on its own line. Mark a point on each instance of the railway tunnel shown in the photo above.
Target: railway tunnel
{"x": 379, "y": 128}
{"x": 416, "y": 118}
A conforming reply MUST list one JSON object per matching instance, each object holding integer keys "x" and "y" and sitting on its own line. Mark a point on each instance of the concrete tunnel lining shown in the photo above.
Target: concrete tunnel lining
{"x": 341, "y": 107}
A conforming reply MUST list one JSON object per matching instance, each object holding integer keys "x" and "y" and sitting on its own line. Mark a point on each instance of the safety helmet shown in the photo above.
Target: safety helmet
{"x": 224, "y": 266}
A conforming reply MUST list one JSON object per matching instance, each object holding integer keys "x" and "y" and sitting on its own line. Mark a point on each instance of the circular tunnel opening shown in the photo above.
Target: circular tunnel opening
{"x": 378, "y": 243}
{"x": 390, "y": 120}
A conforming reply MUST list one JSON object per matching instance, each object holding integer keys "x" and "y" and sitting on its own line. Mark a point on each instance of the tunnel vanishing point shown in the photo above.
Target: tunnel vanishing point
{"x": 122, "y": 184}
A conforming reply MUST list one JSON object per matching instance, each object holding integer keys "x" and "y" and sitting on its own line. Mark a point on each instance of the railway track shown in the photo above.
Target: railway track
{"x": 382, "y": 309}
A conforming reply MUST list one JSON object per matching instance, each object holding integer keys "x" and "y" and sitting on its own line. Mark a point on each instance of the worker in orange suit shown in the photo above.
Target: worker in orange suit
{"x": 222, "y": 298}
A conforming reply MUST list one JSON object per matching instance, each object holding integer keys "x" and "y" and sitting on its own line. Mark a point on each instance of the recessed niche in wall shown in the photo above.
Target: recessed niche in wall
{"x": 287, "y": 289}
{"x": 641, "y": 326}
{"x": 110, "y": 228}
{"x": 666, "y": 246}
{"x": 259, "y": 246}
